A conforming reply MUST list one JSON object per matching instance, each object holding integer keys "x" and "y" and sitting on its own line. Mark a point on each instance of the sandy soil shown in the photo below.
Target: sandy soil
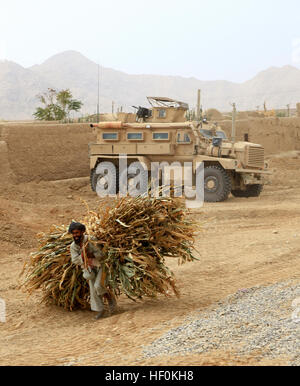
{"x": 244, "y": 243}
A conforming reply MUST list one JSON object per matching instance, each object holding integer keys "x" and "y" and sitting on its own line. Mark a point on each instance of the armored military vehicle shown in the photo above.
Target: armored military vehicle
{"x": 162, "y": 133}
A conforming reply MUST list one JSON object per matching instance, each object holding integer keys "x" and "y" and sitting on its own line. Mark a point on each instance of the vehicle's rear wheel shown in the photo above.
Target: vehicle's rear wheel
{"x": 102, "y": 178}
{"x": 217, "y": 184}
{"x": 251, "y": 191}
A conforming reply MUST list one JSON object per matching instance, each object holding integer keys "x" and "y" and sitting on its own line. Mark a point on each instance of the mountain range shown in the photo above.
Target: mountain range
{"x": 19, "y": 87}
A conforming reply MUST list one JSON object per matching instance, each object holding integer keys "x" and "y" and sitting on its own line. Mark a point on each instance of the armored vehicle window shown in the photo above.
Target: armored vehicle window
{"x": 162, "y": 113}
{"x": 161, "y": 136}
{"x": 183, "y": 138}
{"x": 209, "y": 134}
{"x": 206, "y": 133}
{"x": 220, "y": 134}
{"x": 135, "y": 136}
{"x": 110, "y": 136}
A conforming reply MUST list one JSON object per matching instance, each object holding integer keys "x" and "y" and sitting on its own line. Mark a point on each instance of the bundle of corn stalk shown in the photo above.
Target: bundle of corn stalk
{"x": 136, "y": 235}
{"x": 51, "y": 270}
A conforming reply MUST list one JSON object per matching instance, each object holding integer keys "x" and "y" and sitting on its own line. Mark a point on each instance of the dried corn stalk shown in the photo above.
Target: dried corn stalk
{"x": 136, "y": 235}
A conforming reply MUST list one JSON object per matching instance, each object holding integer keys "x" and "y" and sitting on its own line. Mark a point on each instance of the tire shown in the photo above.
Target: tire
{"x": 251, "y": 191}
{"x": 93, "y": 181}
{"x": 126, "y": 176}
{"x": 94, "y": 177}
{"x": 217, "y": 184}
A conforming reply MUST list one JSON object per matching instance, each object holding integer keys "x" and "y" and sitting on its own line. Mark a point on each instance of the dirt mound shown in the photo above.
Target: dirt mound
{"x": 6, "y": 172}
{"x": 213, "y": 115}
{"x": 242, "y": 115}
{"x": 275, "y": 134}
{"x": 14, "y": 227}
{"x": 286, "y": 169}
{"x": 254, "y": 114}
{"x": 45, "y": 151}
{"x": 108, "y": 117}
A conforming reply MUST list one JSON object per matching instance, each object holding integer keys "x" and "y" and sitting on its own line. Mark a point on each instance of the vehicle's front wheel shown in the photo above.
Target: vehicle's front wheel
{"x": 107, "y": 175}
{"x": 217, "y": 184}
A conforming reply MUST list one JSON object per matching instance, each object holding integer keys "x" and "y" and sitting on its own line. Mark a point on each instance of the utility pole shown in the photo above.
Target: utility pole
{"x": 233, "y": 132}
{"x": 288, "y": 110}
{"x": 112, "y": 107}
{"x": 199, "y": 106}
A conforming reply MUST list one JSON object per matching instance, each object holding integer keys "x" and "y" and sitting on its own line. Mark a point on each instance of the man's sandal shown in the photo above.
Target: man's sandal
{"x": 100, "y": 315}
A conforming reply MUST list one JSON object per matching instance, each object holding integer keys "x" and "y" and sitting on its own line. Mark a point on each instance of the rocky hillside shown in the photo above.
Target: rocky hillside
{"x": 19, "y": 87}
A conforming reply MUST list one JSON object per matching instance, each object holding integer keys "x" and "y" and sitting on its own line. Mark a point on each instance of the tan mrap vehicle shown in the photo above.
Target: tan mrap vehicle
{"x": 162, "y": 134}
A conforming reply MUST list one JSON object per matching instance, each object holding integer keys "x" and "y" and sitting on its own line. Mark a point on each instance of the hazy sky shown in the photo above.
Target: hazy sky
{"x": 212, "y": 39}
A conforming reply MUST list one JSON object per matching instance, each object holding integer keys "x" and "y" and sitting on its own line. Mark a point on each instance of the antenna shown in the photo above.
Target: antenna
{"x": 98, "y": 100}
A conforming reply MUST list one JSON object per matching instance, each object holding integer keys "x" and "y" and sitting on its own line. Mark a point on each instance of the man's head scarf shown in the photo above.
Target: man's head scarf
{"x": 76, "y": 226}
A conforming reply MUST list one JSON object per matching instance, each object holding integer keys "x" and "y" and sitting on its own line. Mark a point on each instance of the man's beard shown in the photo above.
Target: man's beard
{"x": 77, "y": 239}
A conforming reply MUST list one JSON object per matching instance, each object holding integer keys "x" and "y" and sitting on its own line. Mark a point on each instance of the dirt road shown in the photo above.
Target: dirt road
{"x": 244, "y": 243}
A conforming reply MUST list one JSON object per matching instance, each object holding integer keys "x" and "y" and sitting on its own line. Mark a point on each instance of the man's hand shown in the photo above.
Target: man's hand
{"x": 91, "y": 262}
{"x": 88, "y": 275}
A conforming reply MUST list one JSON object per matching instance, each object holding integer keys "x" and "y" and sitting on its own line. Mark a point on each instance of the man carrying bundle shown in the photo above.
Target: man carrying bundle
{"x": 89, "y": 257}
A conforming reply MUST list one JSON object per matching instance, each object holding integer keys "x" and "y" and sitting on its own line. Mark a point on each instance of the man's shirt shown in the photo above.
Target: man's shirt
{"x": 92, "y": 250}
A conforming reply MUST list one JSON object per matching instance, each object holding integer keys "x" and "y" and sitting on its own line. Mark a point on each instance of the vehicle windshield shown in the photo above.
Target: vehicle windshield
{"x": 209, "y": 134}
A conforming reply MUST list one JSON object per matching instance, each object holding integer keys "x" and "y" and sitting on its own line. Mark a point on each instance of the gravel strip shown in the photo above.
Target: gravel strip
{"x": 257, "y": 320}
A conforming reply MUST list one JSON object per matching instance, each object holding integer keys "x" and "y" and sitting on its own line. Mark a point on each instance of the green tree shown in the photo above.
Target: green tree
{"x": 57, "y": 105}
